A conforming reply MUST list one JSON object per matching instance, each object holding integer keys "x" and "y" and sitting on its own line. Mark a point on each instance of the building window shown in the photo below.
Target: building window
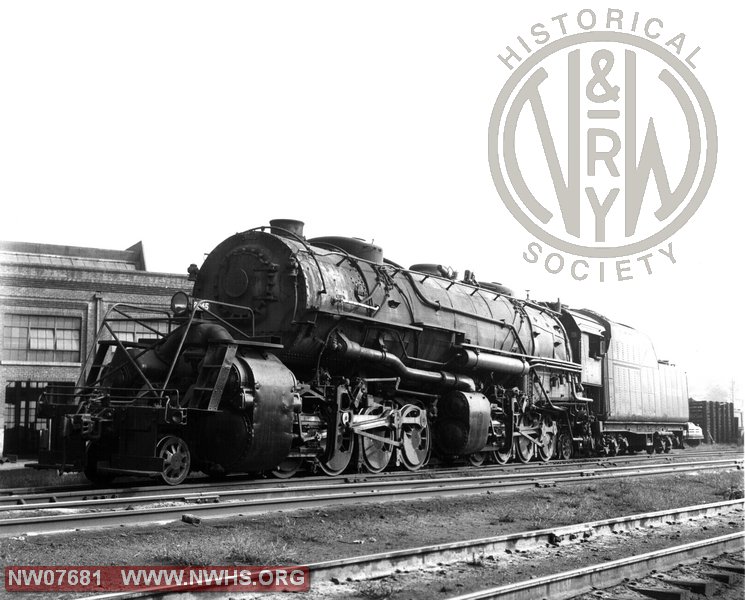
{"x": 23, "y": 431}
{"x": 33, "y": 338}
{"x": 131, "y": 330}
{"x": 40, "y": 339}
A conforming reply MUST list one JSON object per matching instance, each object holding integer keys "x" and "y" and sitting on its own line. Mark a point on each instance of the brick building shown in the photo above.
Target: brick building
{"x": 52, "y": 301}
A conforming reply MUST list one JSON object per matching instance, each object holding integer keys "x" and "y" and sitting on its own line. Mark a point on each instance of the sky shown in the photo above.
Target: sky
{"x": 180, "y": 123}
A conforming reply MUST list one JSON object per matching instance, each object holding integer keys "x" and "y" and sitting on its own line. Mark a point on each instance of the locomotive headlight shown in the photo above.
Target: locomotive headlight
{"x": 180, "y": 304}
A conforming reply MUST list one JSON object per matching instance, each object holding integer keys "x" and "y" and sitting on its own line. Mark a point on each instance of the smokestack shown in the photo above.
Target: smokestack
{"x": 283, "y": 226}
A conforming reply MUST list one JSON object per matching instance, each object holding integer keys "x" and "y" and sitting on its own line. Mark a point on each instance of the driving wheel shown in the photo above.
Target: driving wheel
{"x": 376, "y": 451}
{"x": 339, "y": 445}
{"x": 548, "y": 438}
{"x": 524, "y": 446}
{"x": 415, "y": 437}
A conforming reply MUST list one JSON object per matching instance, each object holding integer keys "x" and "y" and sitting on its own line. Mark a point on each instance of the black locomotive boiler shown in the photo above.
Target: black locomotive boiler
{"x": 319, "y": 353}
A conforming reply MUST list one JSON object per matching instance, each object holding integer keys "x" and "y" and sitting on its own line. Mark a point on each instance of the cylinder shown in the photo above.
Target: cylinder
{"x": 463, "y": 423}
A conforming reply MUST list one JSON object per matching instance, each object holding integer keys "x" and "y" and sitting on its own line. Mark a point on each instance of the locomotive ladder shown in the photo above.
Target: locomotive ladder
{"x": 212, "y": 370}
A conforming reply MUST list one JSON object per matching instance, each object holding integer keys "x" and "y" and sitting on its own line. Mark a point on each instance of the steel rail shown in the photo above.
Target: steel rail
{"x": 54, "y": 494}
{"x": 263, "y": 501}
{"x": 579, "y": 581}
{"x": 386, "y": 563}
{"x": 212, "y": 494}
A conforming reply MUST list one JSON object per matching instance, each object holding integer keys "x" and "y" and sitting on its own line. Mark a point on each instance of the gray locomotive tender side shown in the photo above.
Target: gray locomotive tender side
{"x": 320, "y": 354}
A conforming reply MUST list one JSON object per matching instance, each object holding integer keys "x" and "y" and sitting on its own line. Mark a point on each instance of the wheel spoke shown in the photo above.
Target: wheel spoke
{"x": 524, "y": 447}
{"x": 376, "y": 454}
{"x": 176, "y": 459}
{"x": 565, "y": 446}
{"x": 415, "y": 438}
{"x": 548, "y": 438}
{"x": 477, "y": 458}
{"x": 503, "y": 455}
{"x": 338, "y": 450}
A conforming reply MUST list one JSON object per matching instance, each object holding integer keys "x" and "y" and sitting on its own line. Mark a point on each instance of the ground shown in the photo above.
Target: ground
{"x": 311, "y": 535}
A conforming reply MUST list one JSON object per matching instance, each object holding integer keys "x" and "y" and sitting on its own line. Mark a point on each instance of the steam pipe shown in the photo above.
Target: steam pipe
{"x": 353, "y": 350}
{"x": 556, "y": 364}
{"x": 481, "y": 361}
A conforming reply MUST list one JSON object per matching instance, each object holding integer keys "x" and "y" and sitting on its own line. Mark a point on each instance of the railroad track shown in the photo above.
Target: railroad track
{"x": 571, "y": 584}
{"x": 55, "y": 494}
{"x": 380, "y": 565}
{"x": 557, "y": 586}
{"x": 77, "y": 514}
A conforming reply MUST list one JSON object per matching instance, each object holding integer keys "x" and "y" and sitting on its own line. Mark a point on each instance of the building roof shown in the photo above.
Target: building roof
{"x": 51, "y": 255}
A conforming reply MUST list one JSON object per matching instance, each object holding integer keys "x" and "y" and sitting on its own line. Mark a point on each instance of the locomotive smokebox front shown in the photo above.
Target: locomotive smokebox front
{"x": 256, "y": 274}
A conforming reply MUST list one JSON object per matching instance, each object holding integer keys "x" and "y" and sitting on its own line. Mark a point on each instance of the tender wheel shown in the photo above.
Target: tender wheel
{"x": 287, "y": 468}
{"x": 565, "y": 447}
{"x": 376, "y": 453}
{"x": 339, "y": 446}
{"x": 612, "y": 447}
{"x": 176, "y": 459}
{"x": 416, "y": 440}
{"x": 90, "y": 470}
{"x": 477, "y": 458}
{"x": 667, "y": 444}
{"x": 548, "y": 439}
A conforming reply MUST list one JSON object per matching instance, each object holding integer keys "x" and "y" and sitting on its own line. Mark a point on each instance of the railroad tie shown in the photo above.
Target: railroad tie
{"x": 661, "y": 593}
{"x": 740, "y": 569}
{"x": 698, "y": 586}
{"x": 727, "y": 578}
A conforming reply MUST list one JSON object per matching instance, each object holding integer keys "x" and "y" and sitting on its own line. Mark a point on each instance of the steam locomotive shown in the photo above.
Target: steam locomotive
{"x": 320, "y": 354}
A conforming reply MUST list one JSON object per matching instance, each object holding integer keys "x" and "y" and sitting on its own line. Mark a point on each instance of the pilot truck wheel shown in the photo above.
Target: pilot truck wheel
{"x": 176, "y": 459}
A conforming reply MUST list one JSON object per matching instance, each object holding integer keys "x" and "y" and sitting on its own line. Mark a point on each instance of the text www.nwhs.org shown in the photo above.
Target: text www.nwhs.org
{"x": 122, "y": 579}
